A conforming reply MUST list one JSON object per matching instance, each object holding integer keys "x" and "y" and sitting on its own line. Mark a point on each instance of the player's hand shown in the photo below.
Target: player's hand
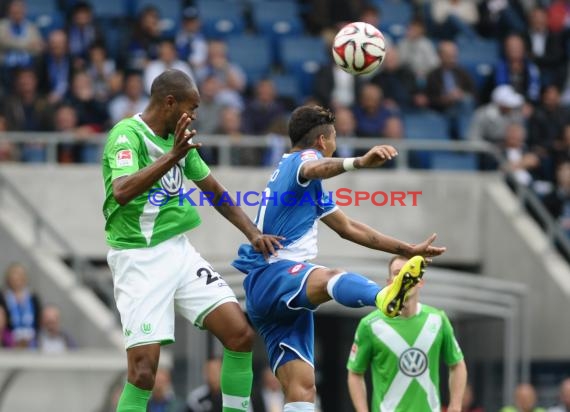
{"x": 267, "y": 244}
{"x": 376, "y": 156}
{"x": 426, "y": 249}
{"x": 183, "y": 137}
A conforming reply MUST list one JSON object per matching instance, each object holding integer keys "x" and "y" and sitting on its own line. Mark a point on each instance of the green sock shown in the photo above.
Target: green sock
{"x": 237, "y": 376}
{"x": 133, "y": 399}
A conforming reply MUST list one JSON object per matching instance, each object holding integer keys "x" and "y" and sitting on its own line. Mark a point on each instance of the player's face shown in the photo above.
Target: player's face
{"x": 188, "y": 106}
{"x": 395, "y": 269}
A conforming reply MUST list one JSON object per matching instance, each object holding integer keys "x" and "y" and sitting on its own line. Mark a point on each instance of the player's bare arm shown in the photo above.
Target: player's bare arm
{"x": 266, "y": 244}
{"x": 457, "y": 382}
{"x": 364, "y": 235}
{"x": 127, "y": 188}
{"x": 358, "y": 392}
{"x": 331, "y": 167}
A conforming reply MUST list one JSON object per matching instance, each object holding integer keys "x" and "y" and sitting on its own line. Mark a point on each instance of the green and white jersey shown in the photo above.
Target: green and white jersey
{"x": 131, "y": 146}
{"x": 404, "y": 355}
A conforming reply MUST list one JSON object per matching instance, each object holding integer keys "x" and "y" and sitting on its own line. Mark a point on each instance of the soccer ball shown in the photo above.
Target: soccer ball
{"x": 359, "y": 48}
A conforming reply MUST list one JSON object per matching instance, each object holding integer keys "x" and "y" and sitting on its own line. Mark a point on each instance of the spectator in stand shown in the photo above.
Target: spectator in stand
{"x": 521, "y": 163}
{"x": 268, "y": 397}
{"x": 263, "y": 110}
{"x": 208, "y": 397}
{"x": 450, "y": 90}
{"x": 20, "y": 39}
{"x": 498, "y": 18}
{"x": 558, "y": 202}
{"x": 490, "y": 121}
{"x": 454, "y": 17}
{"x": 559, "y": 16}
{"x": 370, "y": 112}
{"x": 66, "y": 121}
{"x": 27, "y": 110}
{"x": 7, "y": 149}
{"x": 333, "y": 87}
{"x": 6, "y": 337}
{"x": 398, "y": 84}
{"x": 417, "y": 51}
{"x": 232, "y": 77}
{"x": 231, "y": 126}
{"x": 102, "y": 70}
{"x": 90, "y": 112}
{"x": 564, "y": 405}
{"x": 208, "y": 119}
{"x": 546, "y": 49}
{"x": 345, "y": 125}
{"x": 547, "y": 123}
{"x": 163, "y": 398}
{"x": 394, "y": 129}
{"x": 517, "y": 70}
{"x": 56, "y": 67}
{"x": 132, "y": 101}
{"x": 52, "y": 338}
{"x": 82, "y": 33}
{"x": 22, "y": 307}
{"x": 167, "y": 59}
{"x": 525, "y": 400}
{"x": 144, "y": 40}
{"x": 190, "y": 42}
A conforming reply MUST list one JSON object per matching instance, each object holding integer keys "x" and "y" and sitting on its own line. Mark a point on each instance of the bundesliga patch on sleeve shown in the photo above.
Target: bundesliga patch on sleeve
{"x": 309, "y": 155}
{"x": 124, "y": 158}
{"x": 353, "y": 352}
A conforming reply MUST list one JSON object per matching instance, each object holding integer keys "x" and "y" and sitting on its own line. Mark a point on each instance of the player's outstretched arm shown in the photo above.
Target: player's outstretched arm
{"x": 364, "y": 235}
{"x": 129, "y": 187}
{"x": 266, "y": 244}
{"x": 331, "y": 167}
{"x": 357, "y": 390}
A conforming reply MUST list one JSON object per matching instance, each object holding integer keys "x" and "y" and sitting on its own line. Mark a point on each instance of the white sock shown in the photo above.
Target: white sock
{"x": 299, "y": 407}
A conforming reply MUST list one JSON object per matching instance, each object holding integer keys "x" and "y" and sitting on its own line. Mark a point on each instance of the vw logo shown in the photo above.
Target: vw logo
{"x": 413, "y": 362}
{"x": 171, "y": 182}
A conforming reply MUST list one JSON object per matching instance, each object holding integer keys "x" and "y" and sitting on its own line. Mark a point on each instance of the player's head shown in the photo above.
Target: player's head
{"x": 313, "y": 127}
{"x": 174, "y": 93}
{"x": 394, "y": 267}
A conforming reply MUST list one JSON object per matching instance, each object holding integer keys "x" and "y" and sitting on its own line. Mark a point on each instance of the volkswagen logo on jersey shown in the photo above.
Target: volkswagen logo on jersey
{"x": 171, "y": 182}
{"x": 413, "y": 362}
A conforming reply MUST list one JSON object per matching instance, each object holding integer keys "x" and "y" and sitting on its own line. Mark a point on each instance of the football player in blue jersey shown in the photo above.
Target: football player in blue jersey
{"x": 283, "y": 292}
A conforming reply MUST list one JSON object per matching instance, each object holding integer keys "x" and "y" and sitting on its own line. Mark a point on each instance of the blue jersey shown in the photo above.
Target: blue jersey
{"x": 289, "y": 208}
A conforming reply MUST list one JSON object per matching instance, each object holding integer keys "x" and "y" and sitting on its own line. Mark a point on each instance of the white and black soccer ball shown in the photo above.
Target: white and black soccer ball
{"x": 359, "y": 48}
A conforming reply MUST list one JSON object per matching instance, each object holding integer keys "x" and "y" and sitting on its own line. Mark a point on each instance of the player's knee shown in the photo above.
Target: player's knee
{"x": 241, "y": 340}
{"x": 142, "y": 376}
{"x": 301, "y": 392}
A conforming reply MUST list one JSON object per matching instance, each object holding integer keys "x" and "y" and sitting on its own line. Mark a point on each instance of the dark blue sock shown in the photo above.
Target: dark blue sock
{"x": 353, "y": 290}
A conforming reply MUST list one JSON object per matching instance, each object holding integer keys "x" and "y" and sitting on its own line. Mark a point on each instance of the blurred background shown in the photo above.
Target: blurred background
{"x": 475, "y": 95}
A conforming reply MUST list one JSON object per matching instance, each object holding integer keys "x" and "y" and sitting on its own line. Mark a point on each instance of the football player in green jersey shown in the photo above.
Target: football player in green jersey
{"x": 404, "y": 356}
{"x": 155, "y": 269}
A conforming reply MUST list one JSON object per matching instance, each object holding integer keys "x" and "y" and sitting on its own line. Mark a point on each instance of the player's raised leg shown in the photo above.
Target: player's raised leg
{"x": 297, "y": 378}
{"x": 229, "y": 325}
{"x": 142, "y": 362}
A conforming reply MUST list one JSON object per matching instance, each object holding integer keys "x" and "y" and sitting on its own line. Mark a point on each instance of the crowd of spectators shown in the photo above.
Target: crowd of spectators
{"x": 77, "y": 80}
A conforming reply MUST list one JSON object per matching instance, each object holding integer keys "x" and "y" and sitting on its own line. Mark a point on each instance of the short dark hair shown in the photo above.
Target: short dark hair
{"x": 307, "y": 123}
{"x": 172, "y": 82}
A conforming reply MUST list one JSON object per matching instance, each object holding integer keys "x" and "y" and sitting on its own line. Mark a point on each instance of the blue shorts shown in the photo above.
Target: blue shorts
{"x": 277, "y": 305}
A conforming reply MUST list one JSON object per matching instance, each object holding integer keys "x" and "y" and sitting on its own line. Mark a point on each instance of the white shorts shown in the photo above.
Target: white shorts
{"x": 151, "y": 283}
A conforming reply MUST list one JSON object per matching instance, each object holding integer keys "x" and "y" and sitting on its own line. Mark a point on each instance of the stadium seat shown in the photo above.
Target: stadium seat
{"x": 170, "y": 12}
{"x": 110, "y": 9}
{"x": 395, "y": 17}
{"x": 303, "y": 56}
{"x": 252, "y": 54}
{"x": 287, "y": 87}
{"x": 277, "y": 19}
{"x": 478, "y": 57}
{"x": 453, "y": 161}
{"x": 46, "y": 23}
{"x": 220, "y": 18}
{"x": 425, "y": 125}
{"x": 41, "y": 7}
